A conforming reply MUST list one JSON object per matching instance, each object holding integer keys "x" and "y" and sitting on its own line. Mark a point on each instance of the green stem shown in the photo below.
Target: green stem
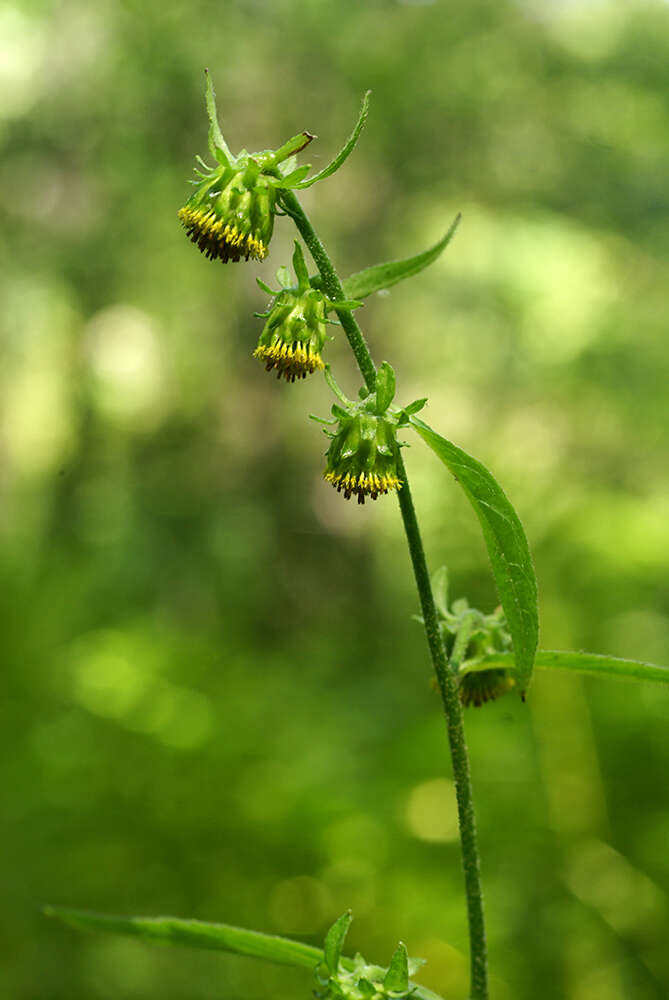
{"x": 332, "y": 287}
{"x": 445, "y": 670}
{"x": 446, "y": 678}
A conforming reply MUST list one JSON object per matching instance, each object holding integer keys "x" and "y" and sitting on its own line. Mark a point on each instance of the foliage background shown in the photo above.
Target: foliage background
{"x": 215, "y": 700}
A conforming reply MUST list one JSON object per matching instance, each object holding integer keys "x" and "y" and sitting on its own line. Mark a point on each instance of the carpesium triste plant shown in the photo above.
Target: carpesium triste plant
{"x": 476, "y": 657}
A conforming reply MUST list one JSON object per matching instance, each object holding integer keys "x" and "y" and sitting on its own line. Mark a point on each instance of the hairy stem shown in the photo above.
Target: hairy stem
{"x": 445, "y": 669}
{"x": 332, "y": 287}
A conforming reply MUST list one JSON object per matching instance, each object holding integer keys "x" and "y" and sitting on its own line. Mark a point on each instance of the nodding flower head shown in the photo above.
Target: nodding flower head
{"x": 363, "y": 457}
{"x": 295, "y": 329}
{"x": 294, "y": 334}
{"x": 296, "y": 324}
{"x": 230, "y": 215}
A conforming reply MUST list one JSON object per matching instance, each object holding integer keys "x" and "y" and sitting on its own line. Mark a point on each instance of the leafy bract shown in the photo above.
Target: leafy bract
{"x": 334, "y": 940}
{"x": 397, "y": 977}
{"x": 506, "y": 542}
{"x": 380, "y": 276}
{"x": 342, "y": 155}
{"x": 385, "y": 388}
{"x": 216, "y": 140}
{"x": 585, "y": 663}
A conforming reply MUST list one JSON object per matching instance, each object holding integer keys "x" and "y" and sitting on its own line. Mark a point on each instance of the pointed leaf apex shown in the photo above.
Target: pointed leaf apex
{"x": 397, "y": 977}
{"x": 382, "y": 276}
{"x": 345, "y": 152}
{"x": 217, "y": 144}
{"x": 334, "y": 940}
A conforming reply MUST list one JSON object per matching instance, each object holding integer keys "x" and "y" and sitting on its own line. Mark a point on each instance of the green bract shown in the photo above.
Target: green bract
{"x": 295, "y": 330}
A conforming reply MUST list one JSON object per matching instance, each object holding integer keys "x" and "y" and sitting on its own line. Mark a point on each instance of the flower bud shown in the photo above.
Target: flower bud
{"x": 294, "y": 334}
{"x": 362, "y": 457}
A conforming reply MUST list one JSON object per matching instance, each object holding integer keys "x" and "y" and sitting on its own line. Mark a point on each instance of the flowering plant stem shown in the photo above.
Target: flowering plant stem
{"x": 445, "y": 668}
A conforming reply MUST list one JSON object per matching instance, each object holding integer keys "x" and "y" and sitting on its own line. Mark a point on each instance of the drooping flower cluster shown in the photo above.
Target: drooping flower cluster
{"x": 230, "y": 217}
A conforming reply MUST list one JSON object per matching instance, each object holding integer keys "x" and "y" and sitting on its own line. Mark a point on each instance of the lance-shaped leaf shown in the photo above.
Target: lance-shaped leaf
{"x": 334, "y": 940}
{"x": 397, "y": 977}
{"x": 506, "y": 542}
{"x": 585, "y": 663}
{"x": 375, "y": 279}
{"x": 195, "y": 934}
{"x": 343, "y": 154}
{"x": 212, "y": 937}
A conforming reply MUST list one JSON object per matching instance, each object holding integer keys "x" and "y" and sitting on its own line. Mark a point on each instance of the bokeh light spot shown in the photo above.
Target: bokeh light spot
{"x": 431, "y": 812}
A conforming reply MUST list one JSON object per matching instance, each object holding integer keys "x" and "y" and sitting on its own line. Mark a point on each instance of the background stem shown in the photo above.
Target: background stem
{"x": 445, "y": 670}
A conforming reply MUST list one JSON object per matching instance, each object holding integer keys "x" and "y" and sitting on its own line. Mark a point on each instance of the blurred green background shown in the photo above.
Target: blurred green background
{"x": 216, "y": 703}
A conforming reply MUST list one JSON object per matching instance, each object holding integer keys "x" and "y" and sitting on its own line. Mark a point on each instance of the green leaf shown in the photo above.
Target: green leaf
{"x": 585, "y": 663}
{"x": 380, "y": 276}
{"x": 343, "y": 154}
{"x": 216, "y": 141}
{"x": 385, "y": 388}
{"x": 397, "y": 977}
{"x": 212, "y": 937}
{"x": 507, "y": 546}
{"x": 195, "y": 934}
{"x": 334, "y": 940}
